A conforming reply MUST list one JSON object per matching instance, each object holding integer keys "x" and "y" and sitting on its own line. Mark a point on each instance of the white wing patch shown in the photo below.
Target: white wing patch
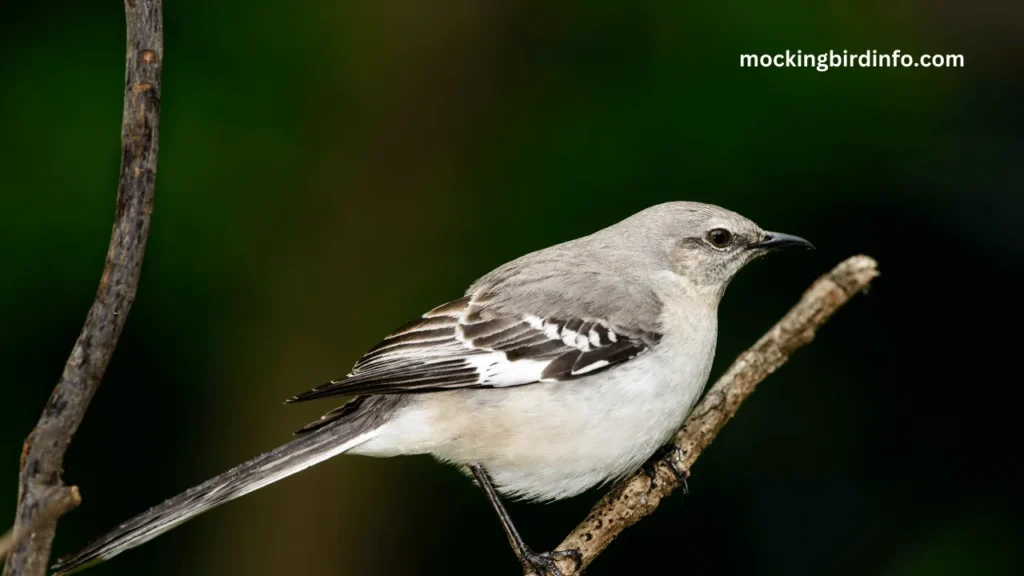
{"x": 495, "y": 370}
{"x": 500, "y": 366}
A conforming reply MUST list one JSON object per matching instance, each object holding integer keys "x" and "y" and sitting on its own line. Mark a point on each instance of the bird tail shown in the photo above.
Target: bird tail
{"x": 312, "y": 448}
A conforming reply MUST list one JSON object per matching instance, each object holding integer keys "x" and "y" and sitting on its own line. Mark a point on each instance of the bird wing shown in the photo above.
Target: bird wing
{"x": 468, "y": 343}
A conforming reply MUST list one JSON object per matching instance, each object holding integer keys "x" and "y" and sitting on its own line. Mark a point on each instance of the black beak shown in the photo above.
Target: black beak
{"x": 778, "y": 241}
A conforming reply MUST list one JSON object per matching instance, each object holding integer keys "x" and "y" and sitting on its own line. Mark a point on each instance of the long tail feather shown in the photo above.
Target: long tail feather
{"x": 297, "y": 455}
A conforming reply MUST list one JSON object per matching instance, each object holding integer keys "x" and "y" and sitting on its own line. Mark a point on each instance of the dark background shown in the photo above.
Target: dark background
{"x": 329, "y": 170}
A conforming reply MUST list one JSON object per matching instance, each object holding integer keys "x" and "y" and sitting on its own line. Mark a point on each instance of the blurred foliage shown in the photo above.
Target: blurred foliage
{"x": 329, "y": 170}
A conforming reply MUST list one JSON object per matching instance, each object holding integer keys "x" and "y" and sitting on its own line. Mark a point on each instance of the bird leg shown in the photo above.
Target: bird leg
{"x": 542, "y": 563}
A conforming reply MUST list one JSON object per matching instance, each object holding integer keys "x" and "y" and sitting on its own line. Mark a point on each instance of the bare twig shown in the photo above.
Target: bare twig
{"x": 640, "y": 494}
{"x": 41, "y": 488}
{"x": 67, "y": 501}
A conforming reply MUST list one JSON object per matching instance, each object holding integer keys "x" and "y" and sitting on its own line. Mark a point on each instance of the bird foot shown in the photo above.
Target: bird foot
{"x": 666, "y": 452}
{"x": 546, "y": 563}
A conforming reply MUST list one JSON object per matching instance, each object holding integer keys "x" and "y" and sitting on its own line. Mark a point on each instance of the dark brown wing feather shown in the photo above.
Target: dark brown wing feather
{"x": 462, "y": 344}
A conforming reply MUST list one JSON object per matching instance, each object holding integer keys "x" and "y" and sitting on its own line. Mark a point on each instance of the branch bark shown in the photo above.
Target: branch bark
{"x": 640, "y": 494}
{"x": 68, "y": 501}
{"x": 42, "y": 496}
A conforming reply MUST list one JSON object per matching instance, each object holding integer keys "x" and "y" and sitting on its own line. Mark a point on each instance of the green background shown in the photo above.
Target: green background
{"x": 329, "y": 170}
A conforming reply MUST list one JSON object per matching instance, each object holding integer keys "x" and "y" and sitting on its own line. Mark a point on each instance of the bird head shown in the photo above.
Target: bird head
{"x": 702, "y": 244}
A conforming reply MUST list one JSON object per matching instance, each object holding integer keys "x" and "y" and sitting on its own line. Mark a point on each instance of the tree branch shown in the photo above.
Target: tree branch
{"x": 640, "y": 494}
{"x": 69, "y": 500}
{"x": 41, "y": 490}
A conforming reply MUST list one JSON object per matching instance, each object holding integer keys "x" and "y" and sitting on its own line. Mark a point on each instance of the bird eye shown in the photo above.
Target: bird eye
{"x": 720, "y": 237}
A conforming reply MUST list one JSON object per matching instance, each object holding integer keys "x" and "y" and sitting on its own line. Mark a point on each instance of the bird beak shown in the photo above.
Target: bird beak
{"x": 778, "y": 241}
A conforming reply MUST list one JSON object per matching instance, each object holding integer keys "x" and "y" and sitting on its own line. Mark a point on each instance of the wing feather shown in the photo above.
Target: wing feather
{"x": 465, "y": 344}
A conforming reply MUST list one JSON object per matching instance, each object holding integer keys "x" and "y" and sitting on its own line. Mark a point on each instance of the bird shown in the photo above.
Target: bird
{"x": 562, "y": 370}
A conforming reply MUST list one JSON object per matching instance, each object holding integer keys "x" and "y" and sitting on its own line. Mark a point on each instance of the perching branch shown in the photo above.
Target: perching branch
{"x": 640, "y": 494}
{"x": 42, "y": 496}
{"x": 68, "y": 501}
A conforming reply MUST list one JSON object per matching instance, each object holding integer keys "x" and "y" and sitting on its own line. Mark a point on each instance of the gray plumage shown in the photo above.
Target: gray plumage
{"x": 267, "y": 468}
{"x": 558, "y": 371}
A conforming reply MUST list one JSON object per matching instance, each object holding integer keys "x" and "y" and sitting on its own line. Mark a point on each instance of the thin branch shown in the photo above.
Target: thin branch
{"x": 640, "y": 494}
{"x": 68, "y": 501}
{"x": 43, "y": 455}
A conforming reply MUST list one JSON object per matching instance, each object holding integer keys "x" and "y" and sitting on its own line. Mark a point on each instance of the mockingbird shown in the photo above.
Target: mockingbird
{"x": 562, "y": 370}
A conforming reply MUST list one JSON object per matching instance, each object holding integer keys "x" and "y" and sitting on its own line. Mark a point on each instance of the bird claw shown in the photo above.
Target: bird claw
{"x": 650, "y": 467}
{"x": 546, "y": 563}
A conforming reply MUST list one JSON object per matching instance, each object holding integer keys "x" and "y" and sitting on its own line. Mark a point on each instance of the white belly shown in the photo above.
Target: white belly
{"x": 554, "y": 440}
